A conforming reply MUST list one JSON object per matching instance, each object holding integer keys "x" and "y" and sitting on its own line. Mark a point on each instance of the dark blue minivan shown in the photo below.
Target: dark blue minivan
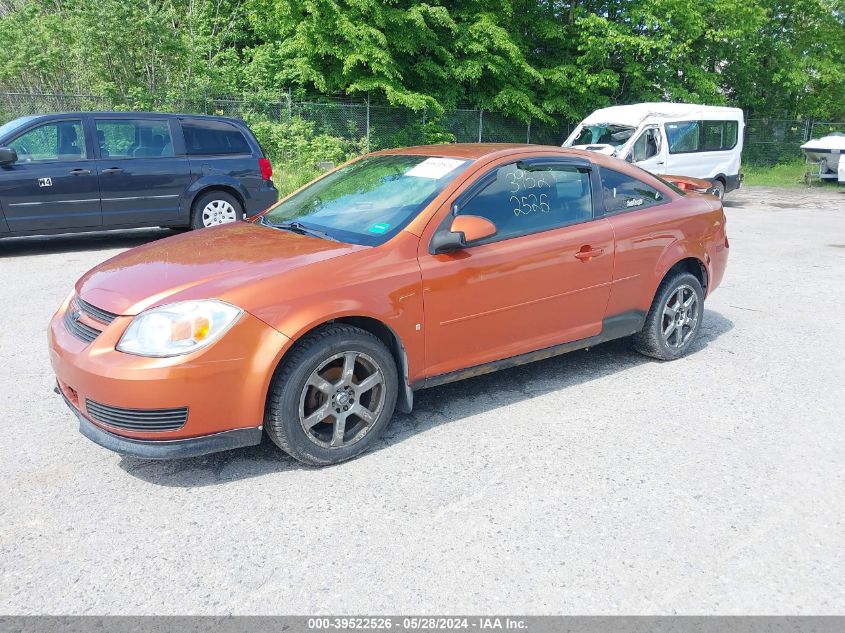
{"x": 90, "y": 171}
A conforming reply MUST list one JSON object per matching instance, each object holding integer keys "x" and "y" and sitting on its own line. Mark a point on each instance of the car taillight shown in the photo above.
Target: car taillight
{"x": 266, "y": 168}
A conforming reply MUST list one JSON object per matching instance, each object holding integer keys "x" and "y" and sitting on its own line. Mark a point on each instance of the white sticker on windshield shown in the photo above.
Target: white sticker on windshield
{"x": 434, "y": 168}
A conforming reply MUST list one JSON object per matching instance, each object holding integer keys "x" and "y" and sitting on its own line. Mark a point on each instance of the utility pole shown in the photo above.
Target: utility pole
{"x": 480, "y": 123}
{"x": 368, "y": 121}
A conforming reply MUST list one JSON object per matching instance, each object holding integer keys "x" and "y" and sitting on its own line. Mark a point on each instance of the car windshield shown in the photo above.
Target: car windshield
{"x": 368, "y": 201}
{"x": 11, "y": 126}
{"x": 604, "y": 134}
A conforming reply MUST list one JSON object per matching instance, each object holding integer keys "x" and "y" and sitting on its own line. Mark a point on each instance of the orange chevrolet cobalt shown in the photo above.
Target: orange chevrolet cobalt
{"x": 400, "y": 270}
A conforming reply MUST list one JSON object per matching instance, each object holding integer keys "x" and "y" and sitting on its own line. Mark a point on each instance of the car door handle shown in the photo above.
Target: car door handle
{"x": 80, "y": 172}
{"x": 587, "y": 253}
{"x": 111, "y": 170}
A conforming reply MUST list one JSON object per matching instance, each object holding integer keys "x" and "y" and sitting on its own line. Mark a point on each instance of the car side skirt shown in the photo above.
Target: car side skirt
{"x": 617, "y": 326}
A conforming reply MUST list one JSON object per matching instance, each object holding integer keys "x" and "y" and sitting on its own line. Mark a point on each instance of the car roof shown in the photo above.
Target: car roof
{"x": 475, "y": 151}
{"x": 128, "y": 115}
{"x": 636, "y": 113}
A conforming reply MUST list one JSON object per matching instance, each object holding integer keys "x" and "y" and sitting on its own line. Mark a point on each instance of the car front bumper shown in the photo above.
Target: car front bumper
{"x": 221, "y": 389}
{"x": 165, "y": 449}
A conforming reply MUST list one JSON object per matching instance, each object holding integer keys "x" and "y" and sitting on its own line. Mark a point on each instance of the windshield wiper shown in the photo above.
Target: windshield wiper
{"x": 297, "y": 227}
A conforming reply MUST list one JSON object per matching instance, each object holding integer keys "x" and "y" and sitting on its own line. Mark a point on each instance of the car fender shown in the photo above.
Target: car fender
{"x": 214, "y": 181}
{"x": 675, "y": 252}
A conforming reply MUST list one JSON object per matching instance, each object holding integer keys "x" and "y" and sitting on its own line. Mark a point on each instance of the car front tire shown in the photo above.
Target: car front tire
{"x": 332, "y": 396}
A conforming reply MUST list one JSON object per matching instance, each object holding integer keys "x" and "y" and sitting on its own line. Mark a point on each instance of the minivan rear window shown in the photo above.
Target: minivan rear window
{"x": 203, "y": 138}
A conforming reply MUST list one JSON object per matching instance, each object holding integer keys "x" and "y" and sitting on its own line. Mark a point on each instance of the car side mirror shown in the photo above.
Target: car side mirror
{"x": 8, "y": 155}
{"x": 464, "y": 231}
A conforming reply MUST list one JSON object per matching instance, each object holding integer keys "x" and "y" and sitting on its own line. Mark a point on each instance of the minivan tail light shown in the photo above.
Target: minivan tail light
{"x": 266, "y": 168}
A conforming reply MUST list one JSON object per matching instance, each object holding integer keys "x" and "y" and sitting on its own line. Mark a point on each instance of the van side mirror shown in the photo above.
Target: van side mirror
{"x": 464, "y": 231}
{"x": 8, "y": 155}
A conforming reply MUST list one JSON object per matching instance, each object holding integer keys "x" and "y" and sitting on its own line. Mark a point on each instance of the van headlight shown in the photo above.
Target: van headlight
{"x": 178, "y": 328}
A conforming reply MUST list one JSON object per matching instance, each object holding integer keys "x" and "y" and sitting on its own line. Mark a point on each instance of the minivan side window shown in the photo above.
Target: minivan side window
{"x": 521, "y": 202}
{"x": 134, "y": 138}
{"x": 51, "y": 142}
{"x": 625, "y": 193}
{"x": 204, "y": 138}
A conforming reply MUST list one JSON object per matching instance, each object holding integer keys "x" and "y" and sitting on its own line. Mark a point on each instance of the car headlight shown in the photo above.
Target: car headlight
{"x": 178, "y": 328}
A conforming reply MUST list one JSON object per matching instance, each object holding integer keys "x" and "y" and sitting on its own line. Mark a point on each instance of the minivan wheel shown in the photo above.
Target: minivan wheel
{"x": 215, "y": 207}
{"x": 332, "y": 396}
{"x": 675, "y": 317}
{"x": 719, "y": 189}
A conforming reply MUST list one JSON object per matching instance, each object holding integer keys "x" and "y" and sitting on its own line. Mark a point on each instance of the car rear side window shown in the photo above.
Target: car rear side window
{"x": 625, "y": 193}
{"x": 134, "y": 138}
{"x": 205, "y": 138}
{"x": 57, "y": 141}
{"x": 520, "y": 202}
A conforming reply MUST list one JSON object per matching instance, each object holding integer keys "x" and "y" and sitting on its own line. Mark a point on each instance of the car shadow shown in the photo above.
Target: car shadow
{"x": 432, "y": 407}
{"x": 74, "y": 242}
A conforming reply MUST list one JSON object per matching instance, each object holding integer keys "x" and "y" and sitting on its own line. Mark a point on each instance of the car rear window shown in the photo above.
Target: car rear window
{"x": 203, "y": 138}
{"x": 624, "y": 193}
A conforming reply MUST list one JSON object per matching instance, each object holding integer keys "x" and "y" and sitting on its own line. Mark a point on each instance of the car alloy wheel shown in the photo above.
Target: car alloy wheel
{"x": 218, "y": 212}
{"x": 680, "y": 316}
{"x": 342, "y": 399}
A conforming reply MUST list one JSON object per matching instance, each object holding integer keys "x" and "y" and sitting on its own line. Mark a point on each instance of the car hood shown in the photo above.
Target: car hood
{"x": 601, "y": 148}
{"x": 209, "y": 263}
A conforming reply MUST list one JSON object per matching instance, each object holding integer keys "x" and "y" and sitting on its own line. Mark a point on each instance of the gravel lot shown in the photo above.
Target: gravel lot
{"x": 597, "y": 482}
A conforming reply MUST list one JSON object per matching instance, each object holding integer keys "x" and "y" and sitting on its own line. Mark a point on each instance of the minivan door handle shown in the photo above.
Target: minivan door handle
{"x": 588, "y": 252}
{"x": 111, "y": 170}
{"x": 80, "y": 172}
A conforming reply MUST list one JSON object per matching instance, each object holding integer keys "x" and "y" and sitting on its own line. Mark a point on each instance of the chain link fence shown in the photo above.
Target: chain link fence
{"x": 351, "y": 126}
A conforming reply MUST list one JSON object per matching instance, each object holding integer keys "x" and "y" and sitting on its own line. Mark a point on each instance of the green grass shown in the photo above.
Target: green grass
{"x": 783, "y": 175}
{"x": 289, "y": 177}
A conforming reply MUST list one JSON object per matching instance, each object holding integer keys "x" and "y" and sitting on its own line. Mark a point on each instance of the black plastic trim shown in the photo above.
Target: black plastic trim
{"x": 167, "y": 449}
{"x": 617, "y": 326}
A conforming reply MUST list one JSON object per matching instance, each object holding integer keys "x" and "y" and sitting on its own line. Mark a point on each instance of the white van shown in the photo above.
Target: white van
{"x": 681, "y": 139}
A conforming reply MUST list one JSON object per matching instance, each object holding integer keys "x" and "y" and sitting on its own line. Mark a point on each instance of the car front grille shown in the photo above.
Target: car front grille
{"x": 94, "y": 312}
{"x": 137, "y": 419}
{"x": 81, "y": 330}
{"x": 78, "y": 329}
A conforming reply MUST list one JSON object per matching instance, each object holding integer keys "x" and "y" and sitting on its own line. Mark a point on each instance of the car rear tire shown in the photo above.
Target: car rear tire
{"x": 674, "y": 319}
{"x": 215, "y": 207}
{"x": 332, "y": 396}
{"x": 719, "y": 189}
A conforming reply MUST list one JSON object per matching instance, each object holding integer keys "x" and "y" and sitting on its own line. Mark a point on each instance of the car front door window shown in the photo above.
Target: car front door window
{"x": 524, "y": 201}
{"x": 58, "y": 141}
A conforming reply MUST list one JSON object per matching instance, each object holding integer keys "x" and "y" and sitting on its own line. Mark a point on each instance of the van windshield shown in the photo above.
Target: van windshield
{"x": 604, "y": 134}
{"x": 368, "y": 201}
{"x": 6, "y": 128}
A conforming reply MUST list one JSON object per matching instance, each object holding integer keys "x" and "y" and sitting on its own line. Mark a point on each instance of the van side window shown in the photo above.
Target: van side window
{"x": 213, "y": 137}
{"x": 134, "y": 138}
{"x": 683, "y": 136}
{"x": 520, "y": 202}
{"x": 51, "y": 142}
{"x": 701, "y": 136}
{"x": 624, "y": 193}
